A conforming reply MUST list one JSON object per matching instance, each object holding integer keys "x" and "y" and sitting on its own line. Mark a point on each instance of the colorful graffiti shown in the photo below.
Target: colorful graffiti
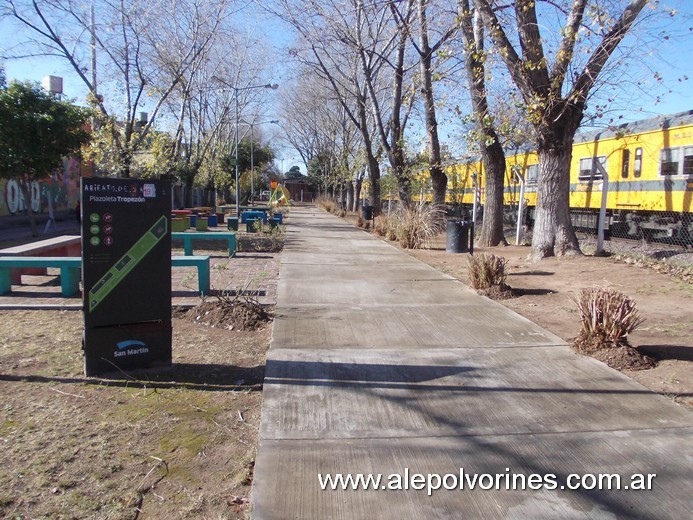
{"x": 62, "y": 188}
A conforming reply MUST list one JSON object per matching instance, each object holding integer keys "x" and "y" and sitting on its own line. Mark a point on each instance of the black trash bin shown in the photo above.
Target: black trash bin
{"x": 458, "y": 236}
{"x": 367, "y": 212}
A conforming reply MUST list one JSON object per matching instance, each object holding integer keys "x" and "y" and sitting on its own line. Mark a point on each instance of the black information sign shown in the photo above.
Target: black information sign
{"x": 126, "y": 270}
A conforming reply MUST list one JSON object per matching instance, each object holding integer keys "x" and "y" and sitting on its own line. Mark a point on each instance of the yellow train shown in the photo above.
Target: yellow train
{"x": 649, "y": 165}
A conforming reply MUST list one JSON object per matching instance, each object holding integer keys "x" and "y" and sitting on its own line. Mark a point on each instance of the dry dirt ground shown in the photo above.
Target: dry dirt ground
{"x": 179, "y": 443}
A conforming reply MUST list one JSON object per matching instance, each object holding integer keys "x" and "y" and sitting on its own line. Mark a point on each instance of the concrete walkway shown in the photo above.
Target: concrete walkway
{"x": 381, "y": 364}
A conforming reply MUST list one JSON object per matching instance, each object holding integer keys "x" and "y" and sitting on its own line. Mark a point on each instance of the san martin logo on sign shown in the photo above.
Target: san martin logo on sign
{"x": 130, "y": 347}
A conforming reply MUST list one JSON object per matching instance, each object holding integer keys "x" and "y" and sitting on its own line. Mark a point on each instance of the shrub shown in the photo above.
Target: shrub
{"x": 607, "y": 317}
{"x": 380, "y": 225}
{"x": 486, "y": 271}
{"x": 391, "y": 232}
{"x": 417, "y": 225}
{"x": 327, "y": 204}
{"x": 359, "y": 221}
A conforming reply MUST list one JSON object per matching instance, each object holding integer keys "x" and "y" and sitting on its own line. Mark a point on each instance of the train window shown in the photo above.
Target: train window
{"x": 625, "y": 165}
{"x": 669, "y": 160}
{"x": 532, "y": 174}
{"x": 688, "y": 160}
{"x": 637, "y": 163}
{"x": 591, "y": 168}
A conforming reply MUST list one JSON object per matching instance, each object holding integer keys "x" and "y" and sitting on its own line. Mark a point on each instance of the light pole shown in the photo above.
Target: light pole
{"x": 252, "y": 155}
{"x": 236, "y": 90}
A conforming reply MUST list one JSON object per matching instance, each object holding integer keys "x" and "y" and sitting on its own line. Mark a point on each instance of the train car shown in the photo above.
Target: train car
{"x": 647, "y": 166}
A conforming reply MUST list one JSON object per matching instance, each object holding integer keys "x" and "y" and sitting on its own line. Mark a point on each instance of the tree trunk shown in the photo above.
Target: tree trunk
{"x": 350, "y": 195}
{"x": 188, "y": 196}
{"x": 343, "y": 195}
{"x": 439, "y": 180}
{"x": 374, "y": 178}
{"x": 492, "y": 155}
{"x": 125, "y": 163}
{"x": 25, "y": 187}
{"x": 357, "y": 195}
{"x": 553, "y": 232}
{"x": 493, "y": 158}
{"x": 396, "y": 158}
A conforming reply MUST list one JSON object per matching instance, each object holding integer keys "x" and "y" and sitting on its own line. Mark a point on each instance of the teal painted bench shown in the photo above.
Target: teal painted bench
{"x": 69, "y": 270}
{"x": 253, "y": 215}
{"x": 202, "y": 264}
{"x": 189, "y": 237}
{"x": 65, "y": 245}
{"x": 70, "y": 267}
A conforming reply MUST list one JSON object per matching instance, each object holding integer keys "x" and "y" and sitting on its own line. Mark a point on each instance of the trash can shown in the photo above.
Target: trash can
{"x": 367, "y": 212}
{"x": 458, "y": 236}
{"x": 212, "y": 220}
{"x": 232, "y": 223}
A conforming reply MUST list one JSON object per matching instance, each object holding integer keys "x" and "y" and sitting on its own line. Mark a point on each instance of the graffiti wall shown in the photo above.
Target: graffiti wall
{"x": 62, "y": 188}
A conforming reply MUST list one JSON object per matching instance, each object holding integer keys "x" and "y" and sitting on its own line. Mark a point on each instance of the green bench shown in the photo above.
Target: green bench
{"x": 65, "y": 245}
{"x": 70, "y": 267}
{"x": 202, "y": 264}
{"x": 69, "y": 270}
{"x": 189, "y": 237}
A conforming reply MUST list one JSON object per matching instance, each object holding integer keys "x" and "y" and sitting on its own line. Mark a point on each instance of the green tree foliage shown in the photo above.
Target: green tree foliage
{"x": 293, "y": 173}
{"x": 36, "y": 132}
{"x": 262, "y": 155}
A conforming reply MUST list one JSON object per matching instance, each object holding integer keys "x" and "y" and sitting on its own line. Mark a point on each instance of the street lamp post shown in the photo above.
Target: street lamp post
{"x": 236, "y": 90}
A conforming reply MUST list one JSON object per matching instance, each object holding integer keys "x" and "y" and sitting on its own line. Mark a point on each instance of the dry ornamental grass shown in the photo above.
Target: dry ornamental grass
{"x": 607, "y": 318}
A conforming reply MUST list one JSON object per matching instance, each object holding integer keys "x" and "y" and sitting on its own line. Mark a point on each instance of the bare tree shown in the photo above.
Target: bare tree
{"x": 361, "y": 49}
{"x": 492, "y": 155}
{"x": 427, "y": 52}
{"x": 144, "y": 49}
{"x": 379, "y": 46}
{"x": 203, "y": 108}
{"x": 327, "y": 46}
{"x": 318, "y": 127}
{"x": 555, "y": 96}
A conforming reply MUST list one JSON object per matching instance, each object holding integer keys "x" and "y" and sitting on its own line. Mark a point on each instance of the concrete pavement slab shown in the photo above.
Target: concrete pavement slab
{"x": 307, "y": 258}
{"x": 345, "y": 393}
{"x": 437, "y": 325}
{"x": 370, "y": 291}
{"x": 383, "y": 271}
{"x": 294, "y": 492}
{"x": 345, "y": 242}
{"x": 378, "y": 365}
